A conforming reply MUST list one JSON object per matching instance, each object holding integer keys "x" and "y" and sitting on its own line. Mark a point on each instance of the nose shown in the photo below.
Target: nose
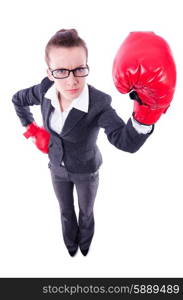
{"x": 72, "y": 80}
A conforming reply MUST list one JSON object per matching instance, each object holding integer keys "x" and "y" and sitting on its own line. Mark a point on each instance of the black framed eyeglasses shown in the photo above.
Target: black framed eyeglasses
{"x": 64, "y": 73}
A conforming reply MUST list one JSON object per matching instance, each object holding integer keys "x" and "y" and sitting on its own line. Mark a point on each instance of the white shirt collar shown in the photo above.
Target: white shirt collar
{"x": 80, "y": 103}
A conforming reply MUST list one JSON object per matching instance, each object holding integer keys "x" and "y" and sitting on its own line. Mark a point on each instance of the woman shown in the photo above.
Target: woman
{"x": 73, "y": 113}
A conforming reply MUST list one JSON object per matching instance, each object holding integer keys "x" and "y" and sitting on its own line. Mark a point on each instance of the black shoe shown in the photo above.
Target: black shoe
{"x": 84, "y": 251}
{"x": 72, "y": 253}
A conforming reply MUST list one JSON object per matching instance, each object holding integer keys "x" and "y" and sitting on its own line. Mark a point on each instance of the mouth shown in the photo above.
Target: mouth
{"x": 72, "y": 91}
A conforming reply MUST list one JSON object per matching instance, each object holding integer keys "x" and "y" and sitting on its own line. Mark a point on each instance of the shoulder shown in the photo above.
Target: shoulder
{"x": 99, "y": 97}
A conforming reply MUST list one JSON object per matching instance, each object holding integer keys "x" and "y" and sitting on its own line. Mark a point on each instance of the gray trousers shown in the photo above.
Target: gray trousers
{"x": 75, "y": 232}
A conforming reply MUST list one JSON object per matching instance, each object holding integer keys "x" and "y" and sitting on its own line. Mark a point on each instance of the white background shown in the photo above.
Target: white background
{"x": 139, "y": 205}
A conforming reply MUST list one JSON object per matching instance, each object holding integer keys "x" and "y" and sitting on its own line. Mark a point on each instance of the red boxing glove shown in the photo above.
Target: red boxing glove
{"x": 145, "y": 67}
{"x": 42, "y": 136}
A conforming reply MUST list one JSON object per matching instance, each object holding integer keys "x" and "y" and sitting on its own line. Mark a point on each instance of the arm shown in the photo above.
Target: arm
{"x": 22, "y": 100}
{"x": 123, "y": 136}
{"x": 25, "y": 98}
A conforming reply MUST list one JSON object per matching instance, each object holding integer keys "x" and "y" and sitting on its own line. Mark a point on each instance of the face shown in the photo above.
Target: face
{"x": 68, "y": 58}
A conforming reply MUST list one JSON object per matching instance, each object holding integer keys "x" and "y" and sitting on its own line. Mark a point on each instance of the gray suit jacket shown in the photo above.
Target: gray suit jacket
{"x": 76, "y": 145}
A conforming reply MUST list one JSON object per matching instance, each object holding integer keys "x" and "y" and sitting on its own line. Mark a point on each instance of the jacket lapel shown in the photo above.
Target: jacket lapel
{"x": 47, "y": 111}
{"x": 72, "y": 119}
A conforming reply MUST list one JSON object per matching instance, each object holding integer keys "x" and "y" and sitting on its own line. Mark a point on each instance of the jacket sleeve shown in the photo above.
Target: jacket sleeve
{"x": 25, "y": 98}
{"x": 122, "y": 136}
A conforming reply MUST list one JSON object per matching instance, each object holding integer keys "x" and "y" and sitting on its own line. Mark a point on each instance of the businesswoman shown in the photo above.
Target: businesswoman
{"x": 73, "y": 112}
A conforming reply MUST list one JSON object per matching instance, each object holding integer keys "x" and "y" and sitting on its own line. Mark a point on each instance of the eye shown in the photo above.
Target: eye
{"x": 81, "y": 71}
{"x": 61, "y": 71}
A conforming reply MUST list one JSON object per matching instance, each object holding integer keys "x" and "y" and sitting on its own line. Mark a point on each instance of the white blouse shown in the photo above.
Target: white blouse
{"x": 58, "y": 117}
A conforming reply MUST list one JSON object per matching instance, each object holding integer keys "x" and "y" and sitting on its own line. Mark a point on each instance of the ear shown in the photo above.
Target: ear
{"x": 49, "y": 75}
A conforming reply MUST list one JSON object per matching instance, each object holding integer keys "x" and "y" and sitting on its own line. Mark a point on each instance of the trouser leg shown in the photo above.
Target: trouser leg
{"x": 64, "y": 194}
{"x": 86, "y": 191}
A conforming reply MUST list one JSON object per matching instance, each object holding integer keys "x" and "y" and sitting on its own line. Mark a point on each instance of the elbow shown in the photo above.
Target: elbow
{"x": 14, "y": 99}
{"x": 128, "y": 148}
{"x": 126, "y": 143}
{"x": 133, "y": 150}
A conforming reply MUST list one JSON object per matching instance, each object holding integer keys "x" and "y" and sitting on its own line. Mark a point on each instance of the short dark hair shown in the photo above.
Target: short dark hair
{"x": 65, "y": 38}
